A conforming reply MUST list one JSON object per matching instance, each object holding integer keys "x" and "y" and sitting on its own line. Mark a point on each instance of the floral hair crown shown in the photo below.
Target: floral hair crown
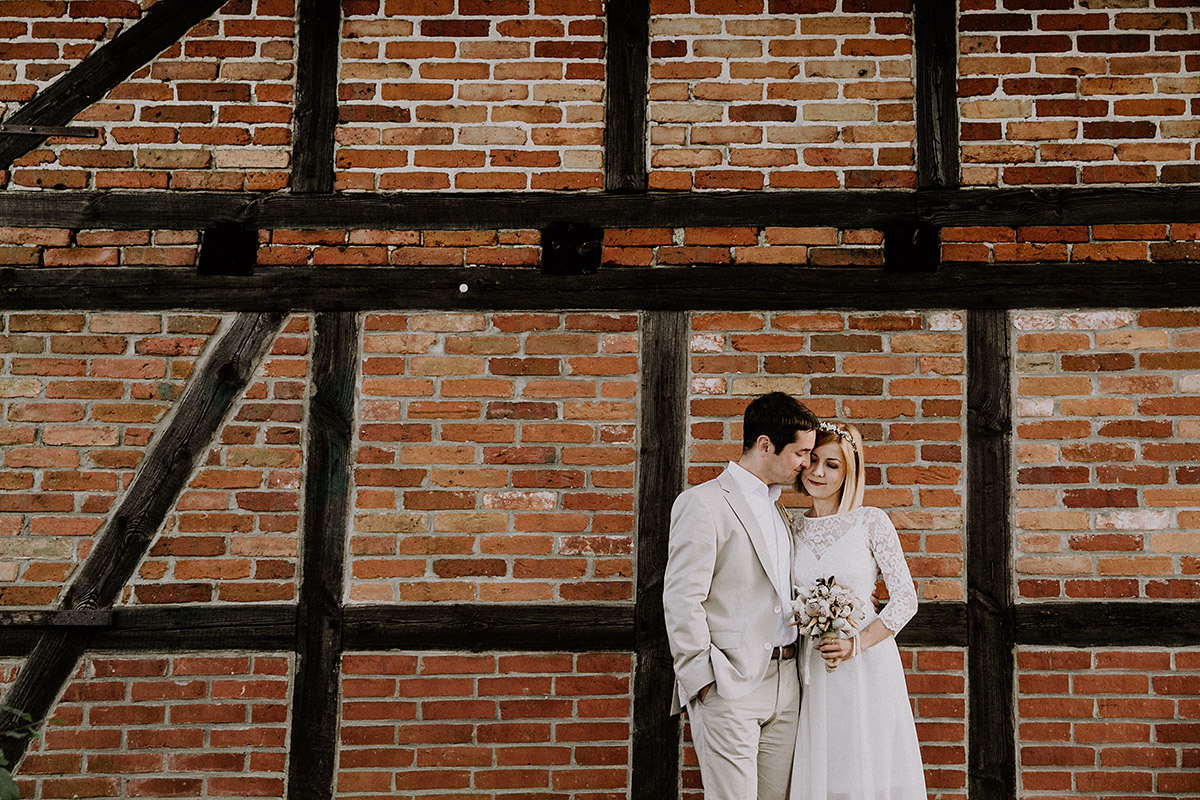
{"x": 830, "y": 427}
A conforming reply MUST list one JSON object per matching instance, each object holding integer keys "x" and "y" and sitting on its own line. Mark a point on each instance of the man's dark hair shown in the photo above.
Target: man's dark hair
{"x": 779, "y": 417}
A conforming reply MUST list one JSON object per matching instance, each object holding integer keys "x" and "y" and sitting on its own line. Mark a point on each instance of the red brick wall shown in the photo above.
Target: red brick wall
{"x": 471, "y": 94}
{"x": 211, "y": 112}
{"x": 179, "y": 725}
{"x": 1109, "y": 723}
{"x": 233, "y": 536}
{"x": 1074, "y": 243}
{"x": 493, "y": 725}
{"x": 495, "y": 458}
{"x": 781, "y": 94}
{"x": 1107, "y": 423}
{"x": 81, "y": 397}
{"x": 1072, "y": 92}
{"x": 645, "y": 247}
{"x": 283, "y": 247}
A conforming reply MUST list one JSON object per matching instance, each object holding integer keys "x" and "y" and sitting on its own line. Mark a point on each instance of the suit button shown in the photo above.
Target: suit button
{"x": 778, "y": 609}
{"x": 767, "y": 646}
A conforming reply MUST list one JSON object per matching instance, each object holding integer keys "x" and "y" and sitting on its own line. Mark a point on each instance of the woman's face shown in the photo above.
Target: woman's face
{"x": 826, "y": 472}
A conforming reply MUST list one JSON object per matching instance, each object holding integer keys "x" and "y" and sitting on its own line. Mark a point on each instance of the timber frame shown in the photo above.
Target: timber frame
{"x": 320, "y": 626}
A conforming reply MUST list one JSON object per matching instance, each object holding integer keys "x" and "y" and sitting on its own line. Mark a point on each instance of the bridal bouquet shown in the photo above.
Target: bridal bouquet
{"x": 825, "y": 609}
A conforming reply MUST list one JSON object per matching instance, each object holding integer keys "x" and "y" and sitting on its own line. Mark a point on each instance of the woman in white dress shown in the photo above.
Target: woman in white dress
{"x": 857, "y": 739}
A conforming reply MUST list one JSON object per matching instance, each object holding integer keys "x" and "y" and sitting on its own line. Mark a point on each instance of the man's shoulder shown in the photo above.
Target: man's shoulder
{"x": 702, "y": 492}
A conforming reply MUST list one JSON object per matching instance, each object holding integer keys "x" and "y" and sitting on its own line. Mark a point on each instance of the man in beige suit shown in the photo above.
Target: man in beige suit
{"x": 726, "y": 596}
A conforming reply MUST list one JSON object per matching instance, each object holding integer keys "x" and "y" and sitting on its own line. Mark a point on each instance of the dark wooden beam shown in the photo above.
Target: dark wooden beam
{"x": 258, "y": 627}
{"x": 1084, "y": 623}
{"x": 625, "y": 97}
{"x": 271, "y": 627}
{"x": 938, "y": 623}
{"x": 121, "y": 544}
{"x": 102, "y": 69}
{"x": 780, "y": 287}
{"x": 480, "y": 628}
{"x": 55, "y": 618}
{"x": 1062, "y": 206}
{"x": 935, "y": 44}
{"x": 452, "y": 210}
{"x": 663, "y": 427}
{"x": 314, "y": 718}
{"x": 855, "y": 208}
{"x": 316, "y": 110}
{"x": 991, "y": 764}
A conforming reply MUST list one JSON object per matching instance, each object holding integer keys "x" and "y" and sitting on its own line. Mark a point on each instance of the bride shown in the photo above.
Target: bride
{"x": 857, "y": 739}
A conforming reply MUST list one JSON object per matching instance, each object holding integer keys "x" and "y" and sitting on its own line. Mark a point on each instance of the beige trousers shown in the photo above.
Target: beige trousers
{"x": 745, "y": 746}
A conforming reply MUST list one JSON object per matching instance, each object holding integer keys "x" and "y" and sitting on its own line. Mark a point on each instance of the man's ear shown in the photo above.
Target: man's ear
{"x": 764, "y": 446}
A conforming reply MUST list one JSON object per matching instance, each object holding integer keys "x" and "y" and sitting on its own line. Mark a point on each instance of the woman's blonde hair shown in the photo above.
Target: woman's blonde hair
{"x": 851, "y": 443}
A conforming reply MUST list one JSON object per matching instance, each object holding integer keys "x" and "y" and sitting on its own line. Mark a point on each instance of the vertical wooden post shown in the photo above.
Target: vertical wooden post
{"x": 314, "y": 722}
{"x": 625, "y": 95}
{"x": 316, "y": 110}
{"x": 991, "y": 630}
{"x": 935, "y": 41}
{"x": 662, "y": 428}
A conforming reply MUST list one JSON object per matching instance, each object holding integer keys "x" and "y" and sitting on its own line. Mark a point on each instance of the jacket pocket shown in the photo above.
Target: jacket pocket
{"x": 726, "y": 640}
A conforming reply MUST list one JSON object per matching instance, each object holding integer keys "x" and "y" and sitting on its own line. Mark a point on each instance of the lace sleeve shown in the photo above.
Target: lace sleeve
{"x": 885, "y": 546}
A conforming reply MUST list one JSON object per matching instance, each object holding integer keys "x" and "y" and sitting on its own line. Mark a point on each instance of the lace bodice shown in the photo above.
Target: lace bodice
{"x": 855, "y": 548}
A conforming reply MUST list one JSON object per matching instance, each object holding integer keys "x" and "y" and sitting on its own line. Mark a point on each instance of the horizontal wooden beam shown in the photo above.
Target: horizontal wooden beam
{"x": 1061, "y": 206}
{"x": 866, "y": 208}
{"x": 271, "y": 627}
{"x": 781, "y": 287}
{"x": 1089, "y": 623}
{"x": 56, "y": 618}
{"x": 488, "y": 627}
{"x": 262, "y": 628}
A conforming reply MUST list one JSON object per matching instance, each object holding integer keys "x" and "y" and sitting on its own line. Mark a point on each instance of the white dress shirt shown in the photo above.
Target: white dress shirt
{"x": 761, "y": 499}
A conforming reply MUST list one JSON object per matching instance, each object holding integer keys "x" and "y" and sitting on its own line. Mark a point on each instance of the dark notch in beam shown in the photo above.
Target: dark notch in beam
{"x": 159, "y": 28}
{"x": 316, "y": 110}
{"x": 781, "y": 287}
{"x": 935, "y": 42}
{"x": 662, "y": 428}
{"x": 571, "y": 249}
{"x": 991, "y": 766}
{"x": 626, "y": 89}
{"x": 314, "y": 719}
{"x": 126, "y": 536}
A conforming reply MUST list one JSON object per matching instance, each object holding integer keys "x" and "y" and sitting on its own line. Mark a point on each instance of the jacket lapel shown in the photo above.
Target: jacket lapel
{"x": 741, "y": 508}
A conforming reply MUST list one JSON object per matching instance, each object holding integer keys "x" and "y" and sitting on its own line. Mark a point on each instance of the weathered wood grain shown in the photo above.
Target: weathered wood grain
{"x": 662, "y": 441}
{"x": 991, "y": 764}
{"x": 319, "y": 24}
{"x": 314, "y": 718}
{"x": 778, "y": 287}
{"x": 627, "y": 66}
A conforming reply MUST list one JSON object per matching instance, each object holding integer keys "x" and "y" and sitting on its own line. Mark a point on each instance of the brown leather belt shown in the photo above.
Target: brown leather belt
{"x": 784, "y": 653}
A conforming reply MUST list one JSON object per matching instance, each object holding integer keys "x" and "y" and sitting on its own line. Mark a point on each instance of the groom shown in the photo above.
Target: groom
{"x": 727, "y": 591}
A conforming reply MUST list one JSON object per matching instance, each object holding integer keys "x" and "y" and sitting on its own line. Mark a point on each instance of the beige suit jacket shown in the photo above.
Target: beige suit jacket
{"x": 721, "y": 607}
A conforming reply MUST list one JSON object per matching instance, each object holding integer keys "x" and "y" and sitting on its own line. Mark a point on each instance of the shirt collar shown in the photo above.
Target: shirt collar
{"x": 752, "y": 486}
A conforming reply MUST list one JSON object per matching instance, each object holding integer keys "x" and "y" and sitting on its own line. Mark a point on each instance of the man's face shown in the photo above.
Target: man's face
{"x": 784, "y": 466}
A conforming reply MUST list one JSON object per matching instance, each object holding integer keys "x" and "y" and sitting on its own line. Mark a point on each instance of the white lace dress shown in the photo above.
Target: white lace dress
{"x": 857, "y": 739}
